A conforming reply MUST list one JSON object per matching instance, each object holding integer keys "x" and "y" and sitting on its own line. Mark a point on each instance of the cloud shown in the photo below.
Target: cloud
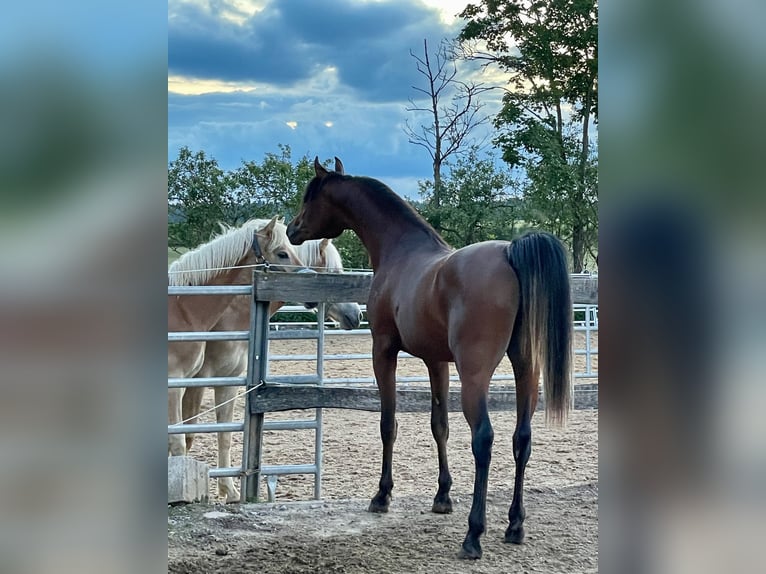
{"x": 367, "y": 44}
{"x": 328, "y": 78}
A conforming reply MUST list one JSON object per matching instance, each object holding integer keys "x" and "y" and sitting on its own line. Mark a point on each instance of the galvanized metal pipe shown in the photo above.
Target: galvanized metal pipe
{"x": 210, "y": 289}
{"x": 187, "y": 336}
{"x": 180, "y": 382}
{"x": 205, "y": 427}
{"x": 290, "y": 425}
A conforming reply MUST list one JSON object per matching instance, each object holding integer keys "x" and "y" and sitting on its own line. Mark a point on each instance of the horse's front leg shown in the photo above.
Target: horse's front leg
{"x": 190, "y": 407}
{"x": 438, "y": 373}
{"x": 384, "y": 357}
{"x": 176, "y": 442}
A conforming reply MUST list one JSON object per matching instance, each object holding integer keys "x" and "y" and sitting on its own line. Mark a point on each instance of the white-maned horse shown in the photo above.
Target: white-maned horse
{"x": 229, "y": 358}
{"x": 227, "y": 259}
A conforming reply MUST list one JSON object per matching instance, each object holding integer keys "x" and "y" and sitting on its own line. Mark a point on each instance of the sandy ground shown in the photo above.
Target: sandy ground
{"x": 338, "y": 535}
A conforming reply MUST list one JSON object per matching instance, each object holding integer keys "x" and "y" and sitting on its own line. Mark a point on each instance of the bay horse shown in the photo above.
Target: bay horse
{"x": 227, "y": 259}
{"x": 469, "y": 306}
{"x": 229, "y": 358}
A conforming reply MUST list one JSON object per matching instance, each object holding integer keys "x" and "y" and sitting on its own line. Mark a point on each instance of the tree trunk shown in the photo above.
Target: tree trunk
{"x": 578, "y": 222}
{"x": 578, "y": 247}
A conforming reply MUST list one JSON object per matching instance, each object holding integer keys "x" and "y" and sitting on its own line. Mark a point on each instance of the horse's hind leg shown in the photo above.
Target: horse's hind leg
{"x": 439, "y": 376}
{"x": 475, "y": 386}
{"x": 384, "y": 356}
{"x": 527, "y": 379}
{"x": 225, "y": 414}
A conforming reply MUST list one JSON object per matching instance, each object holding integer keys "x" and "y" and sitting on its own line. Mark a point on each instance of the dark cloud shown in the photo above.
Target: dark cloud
{"x": 289, "y": 42}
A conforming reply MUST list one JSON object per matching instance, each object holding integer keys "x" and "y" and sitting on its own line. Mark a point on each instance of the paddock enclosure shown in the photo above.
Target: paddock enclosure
{"x": 335, "y": 534}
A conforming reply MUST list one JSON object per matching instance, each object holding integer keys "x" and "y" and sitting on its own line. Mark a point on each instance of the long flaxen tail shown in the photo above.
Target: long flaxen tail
{"x": 540, "y": 262}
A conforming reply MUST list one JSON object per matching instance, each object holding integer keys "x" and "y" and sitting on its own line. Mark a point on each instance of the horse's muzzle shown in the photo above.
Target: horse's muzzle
{"x": 294, "y": 233}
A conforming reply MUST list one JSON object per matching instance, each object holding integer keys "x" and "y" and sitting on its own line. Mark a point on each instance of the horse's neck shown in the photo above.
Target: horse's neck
{"x": 386, "y": 239}
{"x": 203, "y": 312}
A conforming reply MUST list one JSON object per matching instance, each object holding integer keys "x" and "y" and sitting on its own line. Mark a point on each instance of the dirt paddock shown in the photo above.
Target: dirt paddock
{"x": 297, "y": 535}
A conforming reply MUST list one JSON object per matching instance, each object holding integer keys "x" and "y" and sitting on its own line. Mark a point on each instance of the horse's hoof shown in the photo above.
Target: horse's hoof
{"x": 470, "y": 551}
{"x": 233, "y": 498}
{"x": 514, "y": 535}
{"x": 442, "y": 506}
{"x": 378, "y": 507}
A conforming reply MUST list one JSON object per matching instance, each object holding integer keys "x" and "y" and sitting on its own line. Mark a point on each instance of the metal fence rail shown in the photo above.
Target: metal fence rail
{"x": 316, "y": 330}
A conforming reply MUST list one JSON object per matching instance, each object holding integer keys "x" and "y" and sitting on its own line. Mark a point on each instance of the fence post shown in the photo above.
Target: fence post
{"x": 256, "y": 373}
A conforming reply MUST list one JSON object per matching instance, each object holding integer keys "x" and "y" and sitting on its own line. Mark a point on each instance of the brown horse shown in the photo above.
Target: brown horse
{"x": 469, "y": 306}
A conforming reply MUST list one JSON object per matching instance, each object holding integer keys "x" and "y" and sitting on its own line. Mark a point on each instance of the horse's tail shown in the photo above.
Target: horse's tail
{"x": 546, "y": 316}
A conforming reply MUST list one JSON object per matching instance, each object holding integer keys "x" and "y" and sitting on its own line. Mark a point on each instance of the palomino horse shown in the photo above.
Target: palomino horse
{"x": 469, "y": 306}
{"x": 222, "y": 261}
{"x": 229, "y": 358}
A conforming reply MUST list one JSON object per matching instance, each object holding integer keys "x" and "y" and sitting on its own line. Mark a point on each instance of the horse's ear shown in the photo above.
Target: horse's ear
{"x": 339, "y": 166}
{"x": 268, "y": 230}
{"x": 323, "y": 244}
{"x": 319, "y": 169}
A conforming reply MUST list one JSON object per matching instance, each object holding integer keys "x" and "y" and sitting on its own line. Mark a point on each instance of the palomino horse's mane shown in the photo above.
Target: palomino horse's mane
{"x": 200, "y": 265}
{"x": 310, "y": 252}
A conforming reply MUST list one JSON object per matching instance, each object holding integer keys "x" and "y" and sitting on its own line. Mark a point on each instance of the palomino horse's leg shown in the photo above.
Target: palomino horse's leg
{"x": 439, "y": 376}
{"x": 384, "y": 355}
{"x": 225, "y": 414}
{"x": 191, "y": 405}
{"x": 526, "y": 401}
{"x": 176, "y": 445}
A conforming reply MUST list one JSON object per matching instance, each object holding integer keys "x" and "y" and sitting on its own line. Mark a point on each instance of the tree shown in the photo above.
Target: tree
{"x": 550, "y": 50}
{"x": 273, "y": 187}
{"x": 478, "y": 202}
{"x": 201, "y": 195}
{"x": 198, "y": 198}
{"x": 449, "y": 127}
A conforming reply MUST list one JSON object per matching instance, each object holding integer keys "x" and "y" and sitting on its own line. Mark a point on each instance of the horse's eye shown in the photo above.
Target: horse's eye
{"x": 283, "y": 255}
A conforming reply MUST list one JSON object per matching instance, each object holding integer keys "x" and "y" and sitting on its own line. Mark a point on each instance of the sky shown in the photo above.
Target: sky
{"x": 328, "y": 78}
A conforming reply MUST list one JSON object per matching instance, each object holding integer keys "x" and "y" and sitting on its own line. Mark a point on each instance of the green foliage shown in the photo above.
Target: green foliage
{"x": 478, "y": 202}
{"x": 198, "y": 198}
{"x": 201, "y": 194}
{"x": 273, "y": 187}
{"x": 549, "y": 50}
{"x": 352, "y": 251}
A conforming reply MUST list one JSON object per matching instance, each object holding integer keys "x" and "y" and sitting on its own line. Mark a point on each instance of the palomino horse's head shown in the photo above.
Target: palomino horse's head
{"x": 317, "y": 218}
{"x": 258, "y": 241}
{"x": 322, "y": 255}
{"x": 271, "y": 246}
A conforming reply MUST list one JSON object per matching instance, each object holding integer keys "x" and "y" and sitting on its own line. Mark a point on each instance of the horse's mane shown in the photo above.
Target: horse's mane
{"x": 310, "y": 253}
{"x": 388, "y": 201}
{"x": 200, "y": 265}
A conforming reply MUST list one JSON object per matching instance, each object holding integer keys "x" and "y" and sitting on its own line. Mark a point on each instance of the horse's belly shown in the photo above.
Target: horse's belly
{"x": 428, "y": 347}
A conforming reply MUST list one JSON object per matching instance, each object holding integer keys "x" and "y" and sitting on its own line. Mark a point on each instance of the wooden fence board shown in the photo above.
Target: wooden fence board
{"x": 282, "y": 397}
{"x": 339, "y": 287}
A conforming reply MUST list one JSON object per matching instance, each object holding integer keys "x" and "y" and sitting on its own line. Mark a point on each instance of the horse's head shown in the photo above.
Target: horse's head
{"x": 271, "y": 245}
{"x": 322, "y": 255}
{"x": 318, "y": 217}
